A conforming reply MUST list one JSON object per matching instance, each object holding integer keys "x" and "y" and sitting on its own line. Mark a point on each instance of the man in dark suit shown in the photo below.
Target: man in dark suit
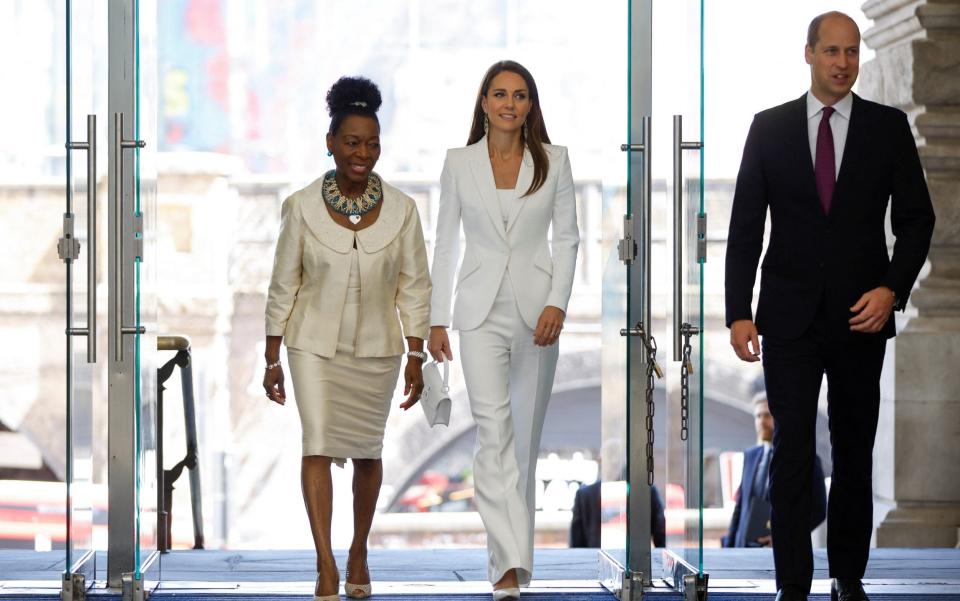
{"x": 750, "y": 522}
{"x": 826, "y": 165}
{"x": 585, "y": 525}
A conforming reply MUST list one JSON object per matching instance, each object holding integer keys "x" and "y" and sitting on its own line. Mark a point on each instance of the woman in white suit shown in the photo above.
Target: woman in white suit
{"x": 508, "y": 187}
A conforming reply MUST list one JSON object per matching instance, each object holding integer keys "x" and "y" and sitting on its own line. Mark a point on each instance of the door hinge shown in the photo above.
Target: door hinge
{"x": 701, "y": 237}
{"x": 73, "y": 587}
{"x": 627, "y": 247}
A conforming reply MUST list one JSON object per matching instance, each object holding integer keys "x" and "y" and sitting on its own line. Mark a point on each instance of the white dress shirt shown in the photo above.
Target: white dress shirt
{"x": 839, "y": 124}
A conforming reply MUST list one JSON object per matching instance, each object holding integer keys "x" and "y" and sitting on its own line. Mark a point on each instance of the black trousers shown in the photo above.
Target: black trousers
{"x": 793, "y": 370}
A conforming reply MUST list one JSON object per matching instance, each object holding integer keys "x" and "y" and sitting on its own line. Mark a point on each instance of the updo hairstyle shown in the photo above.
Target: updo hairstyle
{"x": 352, "y": 96}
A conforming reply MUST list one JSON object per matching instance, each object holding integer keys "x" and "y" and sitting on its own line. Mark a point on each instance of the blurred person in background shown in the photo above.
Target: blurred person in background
{"x": 750, "y": 522}
{"x": 585, "y": 529}
{"x": 350, "y": 281}
{"x": 507, "y": 188}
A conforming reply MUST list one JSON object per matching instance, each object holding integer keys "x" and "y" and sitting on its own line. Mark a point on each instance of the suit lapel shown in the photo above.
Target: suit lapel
{"x": 523, "y": 184}
{"x": 852, "y": 150}
{"x": 800, "y": 137}
{"x": 486, "y": 185}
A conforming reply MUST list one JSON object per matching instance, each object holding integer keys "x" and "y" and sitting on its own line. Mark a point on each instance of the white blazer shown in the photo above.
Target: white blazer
{"x": 541, "y": 273}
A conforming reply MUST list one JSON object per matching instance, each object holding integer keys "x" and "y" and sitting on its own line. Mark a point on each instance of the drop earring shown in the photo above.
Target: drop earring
{"x": 526, "y": 131}
{"x": 486, "y": 123}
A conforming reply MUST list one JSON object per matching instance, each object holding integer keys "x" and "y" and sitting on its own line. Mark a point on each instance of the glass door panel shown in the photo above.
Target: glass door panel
{"x": 132, "y": 548}
{"x": 84, "y": 78}
{"x": 678, "y": 204}
{"x": 144, "y": 283}
{"x": 615, "y": 360}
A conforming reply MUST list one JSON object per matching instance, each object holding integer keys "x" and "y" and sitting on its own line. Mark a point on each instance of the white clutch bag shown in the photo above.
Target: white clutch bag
{"x": 435, "y": 398}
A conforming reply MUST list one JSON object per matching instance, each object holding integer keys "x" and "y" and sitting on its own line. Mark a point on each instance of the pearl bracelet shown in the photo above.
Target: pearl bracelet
{"x": 272, "y": 365}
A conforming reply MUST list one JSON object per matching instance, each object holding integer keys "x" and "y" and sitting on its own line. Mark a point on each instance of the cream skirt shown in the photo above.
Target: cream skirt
{"x": 344, "y": 401}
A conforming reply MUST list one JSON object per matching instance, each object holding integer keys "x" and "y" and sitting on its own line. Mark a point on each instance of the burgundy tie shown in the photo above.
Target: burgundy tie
{"x": 825, "y": 167}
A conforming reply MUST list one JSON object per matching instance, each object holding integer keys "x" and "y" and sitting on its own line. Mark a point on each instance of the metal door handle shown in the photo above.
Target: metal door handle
{"x": 91, "y": 147}
{"x": 678, "y": 147}
{"x": 646, "y": 189}
{"x": 119, "y": 143}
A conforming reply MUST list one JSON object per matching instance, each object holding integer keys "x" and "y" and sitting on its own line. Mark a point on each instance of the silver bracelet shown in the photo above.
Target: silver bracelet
{"x": 272, "y": 365}
{"x": 417, "y": 355}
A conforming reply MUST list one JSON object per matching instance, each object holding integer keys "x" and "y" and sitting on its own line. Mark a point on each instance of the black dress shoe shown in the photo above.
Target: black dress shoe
{"x": 847, "y": 589}
{"x": 788, "y": 593}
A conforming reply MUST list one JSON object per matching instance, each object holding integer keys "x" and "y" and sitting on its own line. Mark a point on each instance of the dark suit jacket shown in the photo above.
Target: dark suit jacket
{"x": 737, "y": 535}
{"x": 815, "y": 258}
{"x": 585, "y": 526}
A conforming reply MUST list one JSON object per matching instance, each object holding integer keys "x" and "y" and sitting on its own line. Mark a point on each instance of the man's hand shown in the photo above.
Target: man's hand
{"x": 743, "y": 334}
{"x": 872, "y": 310}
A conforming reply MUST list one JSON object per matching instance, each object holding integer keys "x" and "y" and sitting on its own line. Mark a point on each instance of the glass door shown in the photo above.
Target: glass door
{"x": 679, "y": 244}
{"x": 77, "y": 248}
{"x": 133, "y": 559}
{"x": 652, "y": 306}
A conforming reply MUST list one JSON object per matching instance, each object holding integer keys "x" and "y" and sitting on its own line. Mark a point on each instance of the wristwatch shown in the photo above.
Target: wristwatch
{"x": 417, "y": 355}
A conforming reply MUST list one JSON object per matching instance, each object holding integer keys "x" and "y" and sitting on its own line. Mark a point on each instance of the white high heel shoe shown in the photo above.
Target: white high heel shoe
{"x": 506, "y": 594}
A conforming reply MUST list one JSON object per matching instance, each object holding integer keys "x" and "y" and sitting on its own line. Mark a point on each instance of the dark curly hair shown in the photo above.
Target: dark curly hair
{"x": 352, "y": 96}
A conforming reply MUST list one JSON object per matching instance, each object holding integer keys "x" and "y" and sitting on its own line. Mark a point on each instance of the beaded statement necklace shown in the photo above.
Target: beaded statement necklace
{"x": 353, "y": 208}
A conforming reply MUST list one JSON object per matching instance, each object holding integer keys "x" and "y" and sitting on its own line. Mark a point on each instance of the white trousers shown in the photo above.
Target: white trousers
{"x": 509, "y": 380}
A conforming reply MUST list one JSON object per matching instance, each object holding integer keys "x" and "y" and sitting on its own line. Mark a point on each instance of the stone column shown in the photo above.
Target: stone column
{"x": 917, "y": 456}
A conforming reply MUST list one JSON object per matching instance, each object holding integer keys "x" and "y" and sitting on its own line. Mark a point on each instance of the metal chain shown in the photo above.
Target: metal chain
{"x": 685, "y": 387}
{"x": 651, "y": 362}
{"x": 650, "y": 343}
{"x": 686, "y": 368}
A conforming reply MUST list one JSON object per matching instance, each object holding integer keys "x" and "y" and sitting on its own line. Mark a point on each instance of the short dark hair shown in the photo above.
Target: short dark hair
{"x": 813, "y": 30}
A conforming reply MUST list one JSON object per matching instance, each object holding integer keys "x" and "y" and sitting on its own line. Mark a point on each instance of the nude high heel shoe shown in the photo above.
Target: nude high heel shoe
{"x": 506, "y": 594}
{"x": 357, "y": 591}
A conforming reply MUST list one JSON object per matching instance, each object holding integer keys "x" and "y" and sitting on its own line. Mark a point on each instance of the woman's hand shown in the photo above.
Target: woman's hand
{"x": 413, "y": 382}
{"x": 439, "y": 344}
{"x": 273, "y": 385}
{"x": 548, "y": 326}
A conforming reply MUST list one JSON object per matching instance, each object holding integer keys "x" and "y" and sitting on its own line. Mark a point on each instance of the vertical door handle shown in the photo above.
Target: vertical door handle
{"x": 678, "y": 147}
{"x": 119, "y": 143}
{"x": 646, "y": 189}
{"x": 91, "y": 147}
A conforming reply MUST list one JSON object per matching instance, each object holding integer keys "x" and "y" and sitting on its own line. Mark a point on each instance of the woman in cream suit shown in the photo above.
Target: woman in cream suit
{"x": 347, "y": 232}
{"x": 507, "y": 188}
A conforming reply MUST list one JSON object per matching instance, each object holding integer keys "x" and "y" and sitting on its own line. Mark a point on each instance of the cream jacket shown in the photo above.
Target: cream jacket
{"x": 540, "y": 270}
{"x": 311, "y": 270}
